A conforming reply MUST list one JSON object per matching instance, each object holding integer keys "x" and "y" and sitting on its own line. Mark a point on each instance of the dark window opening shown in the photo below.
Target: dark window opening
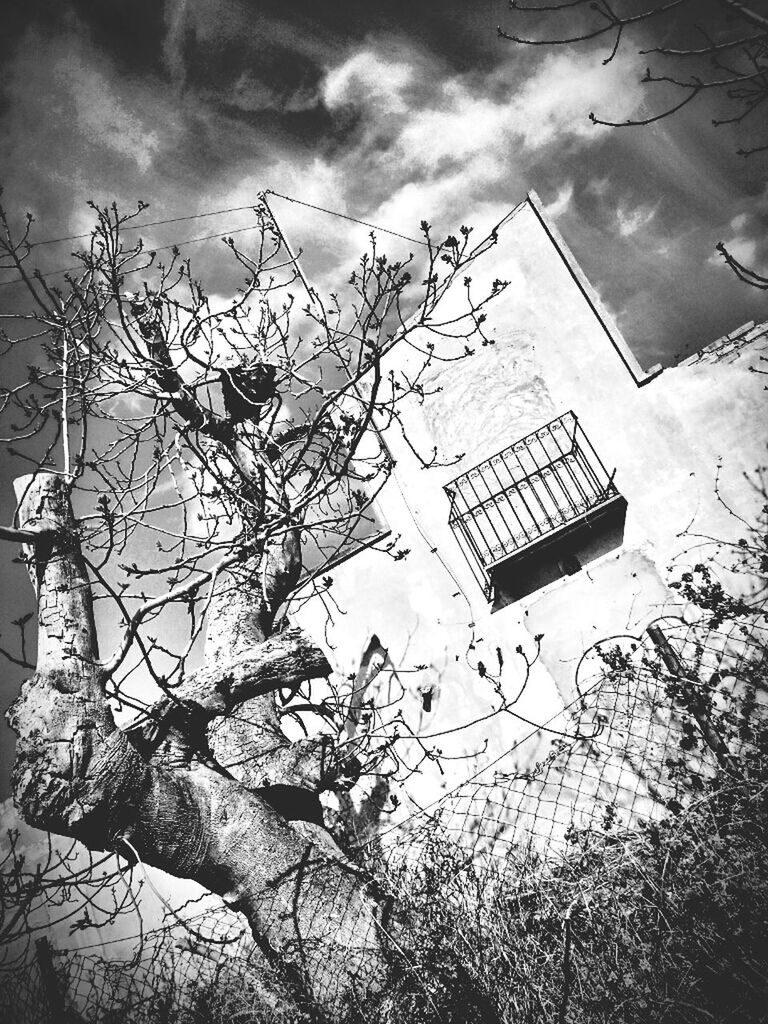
{"x": 536, "y": 510}
{"x": 570, "y": 565}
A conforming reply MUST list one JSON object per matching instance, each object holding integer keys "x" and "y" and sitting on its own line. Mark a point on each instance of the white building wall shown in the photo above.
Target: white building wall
{"x": 556, "y": 349}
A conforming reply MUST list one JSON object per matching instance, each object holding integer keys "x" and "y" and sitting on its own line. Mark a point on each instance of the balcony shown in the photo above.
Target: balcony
{"x": 536, "y": 511}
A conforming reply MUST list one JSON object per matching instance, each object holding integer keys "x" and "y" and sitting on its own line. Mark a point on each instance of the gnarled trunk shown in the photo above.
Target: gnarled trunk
{"x": 77, "y": 774}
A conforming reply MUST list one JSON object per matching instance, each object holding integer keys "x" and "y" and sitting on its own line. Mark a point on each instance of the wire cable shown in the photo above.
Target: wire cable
{"x": 345, "y": 216}
{"x": 159, "y": 248}
{"x": 144, "y": 224}
{"x": 203, "y": 238}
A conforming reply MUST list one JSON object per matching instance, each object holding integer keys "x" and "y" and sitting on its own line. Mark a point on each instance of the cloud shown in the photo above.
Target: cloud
{"x": 745, "y": 236}
{"x": 384, "y": 127}
{"x": 739, "y": 221}
{"x": 74, "y": 128}
{"x": 406, "y": 136}
{"x": 103, "y": 118}
{"x": 252, "y": 93}
{"x": 413, "y": 139}
{"x": 443, "y": 116}
{"x": 561, "y": 202}
{"x": 427, "y": 141}
{"x": 631, "y": 219}
{"x": 175, "y": 16}
{"x": 598, "y": 186}
{"x": 553, "y": 102}
{"x": 369, "y": 79}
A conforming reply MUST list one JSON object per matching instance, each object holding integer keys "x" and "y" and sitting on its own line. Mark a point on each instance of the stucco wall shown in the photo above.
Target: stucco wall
{"x": 555, "y": 349}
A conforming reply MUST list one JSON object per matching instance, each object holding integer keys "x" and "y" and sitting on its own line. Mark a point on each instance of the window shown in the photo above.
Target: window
{"x": 534, "y": 496}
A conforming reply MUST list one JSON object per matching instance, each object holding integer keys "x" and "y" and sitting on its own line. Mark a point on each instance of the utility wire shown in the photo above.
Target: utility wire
{"x": 203, "y": 238}
{"x": 144, "y": 224}
{"x": 344, "y": 216}
{"x": 159, "y": 248}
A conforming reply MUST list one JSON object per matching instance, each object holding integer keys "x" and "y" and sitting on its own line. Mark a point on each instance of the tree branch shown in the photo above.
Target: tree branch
{"x": 282, "y": 661}
{"x": 22, "y": 536}
{"x": 745, "y": 12}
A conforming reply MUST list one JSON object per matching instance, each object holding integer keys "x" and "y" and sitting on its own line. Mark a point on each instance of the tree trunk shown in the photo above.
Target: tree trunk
{"x": 77, "y": 774}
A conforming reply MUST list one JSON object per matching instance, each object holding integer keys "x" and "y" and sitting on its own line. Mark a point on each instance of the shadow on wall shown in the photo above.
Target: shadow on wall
{"x": 563, "y": 553}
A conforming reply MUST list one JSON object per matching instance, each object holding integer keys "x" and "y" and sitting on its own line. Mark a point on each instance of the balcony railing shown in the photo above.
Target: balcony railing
{"x": 527, "y": 494}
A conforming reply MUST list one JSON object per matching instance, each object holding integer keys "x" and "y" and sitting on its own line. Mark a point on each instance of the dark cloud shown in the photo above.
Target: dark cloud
{"x": 392, "y": 109}
{"x": 131, "y": 32}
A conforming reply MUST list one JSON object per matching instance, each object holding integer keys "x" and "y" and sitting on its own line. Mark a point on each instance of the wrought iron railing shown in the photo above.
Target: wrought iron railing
{"x": 526, "y": 493}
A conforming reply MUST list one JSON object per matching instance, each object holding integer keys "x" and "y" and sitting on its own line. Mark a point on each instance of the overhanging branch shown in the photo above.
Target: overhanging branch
{"x": 26, "y": 536}
{"x": 282, "y": 661}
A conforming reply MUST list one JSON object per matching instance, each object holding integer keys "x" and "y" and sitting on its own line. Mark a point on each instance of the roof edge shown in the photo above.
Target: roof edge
{"x": 640, "y": 376}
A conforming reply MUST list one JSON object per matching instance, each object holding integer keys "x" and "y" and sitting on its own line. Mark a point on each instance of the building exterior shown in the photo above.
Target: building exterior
{"x": 582, "y": 479}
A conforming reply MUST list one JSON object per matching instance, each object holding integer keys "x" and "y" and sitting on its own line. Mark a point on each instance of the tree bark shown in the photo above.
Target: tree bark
{"x": 77, "y": 774}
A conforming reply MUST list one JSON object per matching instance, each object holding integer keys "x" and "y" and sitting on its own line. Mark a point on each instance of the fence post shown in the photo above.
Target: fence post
{"x": 689, "y": 686}
{"x": 54, "y": 997}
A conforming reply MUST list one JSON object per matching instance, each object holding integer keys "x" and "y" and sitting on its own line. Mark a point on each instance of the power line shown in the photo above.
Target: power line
{"x": 144, "y": 224}
{"x": 203, "y": 238}
{"x": 159, "y": 248}
{"x": 345, "y": 216}
{"x": 235, "y": 209}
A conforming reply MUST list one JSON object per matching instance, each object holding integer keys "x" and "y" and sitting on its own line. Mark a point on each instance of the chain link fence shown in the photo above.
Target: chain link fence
{"x": 652, "y": 722}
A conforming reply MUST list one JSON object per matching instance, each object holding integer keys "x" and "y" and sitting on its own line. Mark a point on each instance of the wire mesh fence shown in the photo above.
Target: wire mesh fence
{"x": 23, "y": 994}
{"x": 652, "y": 721}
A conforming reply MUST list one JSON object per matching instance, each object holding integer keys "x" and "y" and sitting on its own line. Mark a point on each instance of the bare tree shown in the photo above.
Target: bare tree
{"x": 184, "y": 452}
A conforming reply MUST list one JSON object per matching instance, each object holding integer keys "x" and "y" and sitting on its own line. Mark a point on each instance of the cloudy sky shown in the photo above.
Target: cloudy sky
{"x": 388, "y": 111}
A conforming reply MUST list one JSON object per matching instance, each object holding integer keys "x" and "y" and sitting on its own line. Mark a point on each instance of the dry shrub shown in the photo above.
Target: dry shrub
{"x": 663, "y": 922}
{"x": 666, "y": 923}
